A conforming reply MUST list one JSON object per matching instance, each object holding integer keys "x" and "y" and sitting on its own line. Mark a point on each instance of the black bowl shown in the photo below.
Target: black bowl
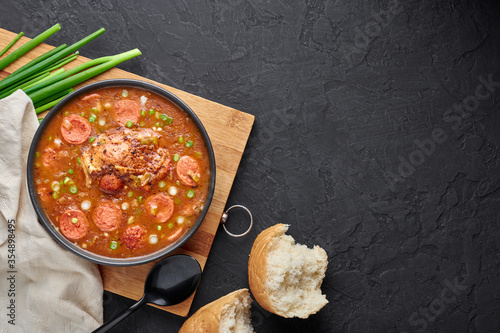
{"x": 70, "y": 245}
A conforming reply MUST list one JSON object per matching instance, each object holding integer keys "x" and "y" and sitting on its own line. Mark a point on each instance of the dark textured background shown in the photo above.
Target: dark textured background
{"x": 340, "y": 90}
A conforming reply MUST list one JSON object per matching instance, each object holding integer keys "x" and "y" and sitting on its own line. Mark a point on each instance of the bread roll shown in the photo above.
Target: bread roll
{"x": 228, "y": 314}
{"x": 284, "y": 277}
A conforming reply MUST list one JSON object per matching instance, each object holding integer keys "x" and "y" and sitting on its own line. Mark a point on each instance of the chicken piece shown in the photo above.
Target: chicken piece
{"x": 132, "y": 155}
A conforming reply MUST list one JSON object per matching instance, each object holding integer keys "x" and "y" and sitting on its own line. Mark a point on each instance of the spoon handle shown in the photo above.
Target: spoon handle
{"x": 124, "y": 314}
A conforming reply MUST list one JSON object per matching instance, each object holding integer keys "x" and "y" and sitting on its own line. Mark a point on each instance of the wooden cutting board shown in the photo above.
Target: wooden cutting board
{"x": 228, "y": 130}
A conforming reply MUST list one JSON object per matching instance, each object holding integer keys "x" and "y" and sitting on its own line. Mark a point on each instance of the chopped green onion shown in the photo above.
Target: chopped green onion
{"x": 189, "y": 144}
{"x": 37, "y": 154}
{"x": 92, "y": 118}
{"x": 177, "y": 201}
{"x": 176, "y": 157}
{"x": 55, "y": 186}
{"x": 190, "y": 194}
{"x": 139, "y": 199}
{"x": 152, "y": 111}
{"x": 74, "y": 220}
{"x": 159, "y": 228}
{"x": 157, "y": 115}
{"x": 129, "y": 124}
{"x": 130, "y": 194}
{"x": 79, "y": 162}
{"x": 164, "y": 117}
{"x": 162, "y": 184}
{"x": 113, "y": 245}
{"x": 73, "y": 189}
{"x": 170, "y": 120}
{"x": 55, "y": 195}
{"x": 143, "y": 113}
{"x": 157, "y": 124}
{"x": 50, "y": 138}
{"x": 70, "y": 171}
{"x": 66, "y": 180}
{"x": 130, "y": 220}
{"x": 153, "y": 239}
{"x": 153, "y": 210}
{"x": 181, "y": 139}
{"x": 92, "y": 139}
{"x": 94, "y": 110}
{"x": 124, "y": 93}
{"x": 170, "y": 225}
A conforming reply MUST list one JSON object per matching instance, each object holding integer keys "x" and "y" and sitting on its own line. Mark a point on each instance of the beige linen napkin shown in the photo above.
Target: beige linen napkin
{"x": 44, "y": 288}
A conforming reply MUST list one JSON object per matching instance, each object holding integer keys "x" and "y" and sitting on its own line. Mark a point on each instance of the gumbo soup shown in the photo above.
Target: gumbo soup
{"x": 122, "y": 172}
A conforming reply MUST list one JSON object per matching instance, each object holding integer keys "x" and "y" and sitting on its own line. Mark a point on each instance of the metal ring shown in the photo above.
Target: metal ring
{"x": 225, "y": 215}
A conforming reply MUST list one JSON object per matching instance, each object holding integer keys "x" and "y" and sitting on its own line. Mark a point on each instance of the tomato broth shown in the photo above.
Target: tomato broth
{"x": 122, "y": 172}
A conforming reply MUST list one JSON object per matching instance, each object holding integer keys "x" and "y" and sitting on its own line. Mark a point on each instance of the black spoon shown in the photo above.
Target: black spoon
{"x": 169, "y": 282}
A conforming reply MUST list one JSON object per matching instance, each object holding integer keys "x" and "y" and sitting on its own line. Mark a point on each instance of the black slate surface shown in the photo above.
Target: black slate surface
{"x": 376, "y": 137}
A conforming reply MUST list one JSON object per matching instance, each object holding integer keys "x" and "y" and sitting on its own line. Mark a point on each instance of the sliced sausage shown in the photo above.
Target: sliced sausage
{"x": 133, "y": 237}
{"x": 160, "y": 207}
{"x": 107, "y": 216}
{"x": 44, "y": 194}
{"x": 91, "y": 97}
{"x": 127, "y": 110}
{"x": 49, "y": 156}
{"x": 73, "y": 229}
{"x": 188, "y": 171}
{"x": 110, "y": 183}
{"x": 175, "y": 235}
{"x": 75, "y": 129}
